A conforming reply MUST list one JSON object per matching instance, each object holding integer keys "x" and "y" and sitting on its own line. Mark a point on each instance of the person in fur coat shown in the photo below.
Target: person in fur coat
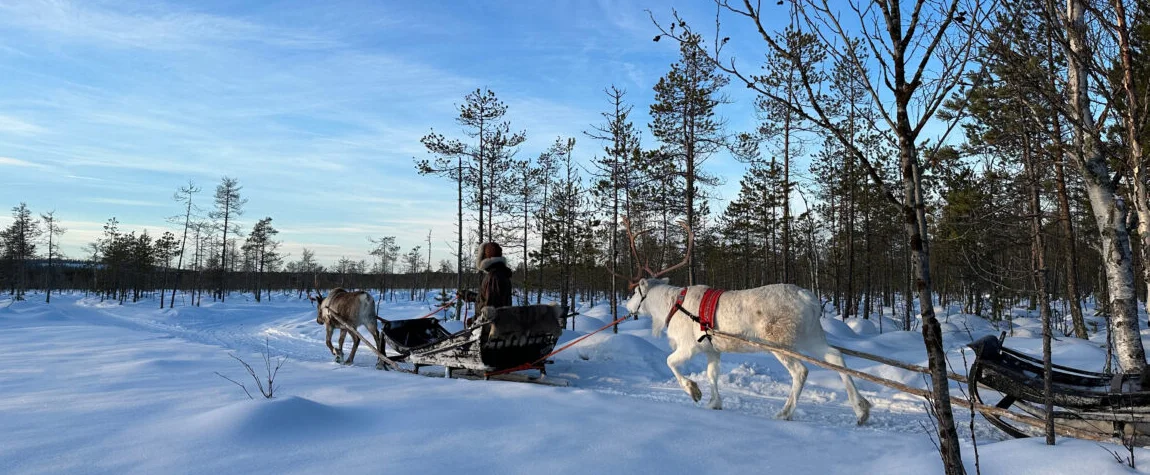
{"x": 495, "y": 290}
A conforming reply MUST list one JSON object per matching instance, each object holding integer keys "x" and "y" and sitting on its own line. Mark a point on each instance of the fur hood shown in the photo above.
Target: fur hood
{"x": 486, "y": 264}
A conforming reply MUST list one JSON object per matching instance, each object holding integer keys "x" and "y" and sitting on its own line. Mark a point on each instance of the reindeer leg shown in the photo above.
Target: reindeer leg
{"x": 378, "y": 337}
{"x": 342, "y": 337}
{"x": 327, "y": 339}
{"x": 715, "y": 402}
{"x": 354, "y": 346}
{"x": 860, "y": 404}
{"x": 351, "y": 358}
{"x": 798, "y": 379}
{"x": 677, "y": 358}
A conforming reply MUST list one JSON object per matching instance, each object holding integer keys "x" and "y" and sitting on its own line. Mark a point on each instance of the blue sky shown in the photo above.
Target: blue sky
{"x": 106, "y": 108}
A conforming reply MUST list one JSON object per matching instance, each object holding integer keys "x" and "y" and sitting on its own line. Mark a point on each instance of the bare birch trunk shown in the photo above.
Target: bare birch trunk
{"x": 1109, "y": 210}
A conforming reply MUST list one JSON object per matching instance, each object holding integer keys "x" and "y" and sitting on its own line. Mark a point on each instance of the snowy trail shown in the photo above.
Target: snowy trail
{"x": 97, "y": 387}
{"x": 752, "y": 384}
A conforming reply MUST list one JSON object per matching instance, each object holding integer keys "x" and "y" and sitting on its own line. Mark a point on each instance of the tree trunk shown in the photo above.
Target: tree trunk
{"x": 914, "y": 208}
{"x": 1130, "y": 118}
{"x": 48, "y": 294}
{"x": 1073, "y": 294}
{"x": 1041, "y": 286}
{"x": 787, "y": 277}
{"x": 1109, "y": 210}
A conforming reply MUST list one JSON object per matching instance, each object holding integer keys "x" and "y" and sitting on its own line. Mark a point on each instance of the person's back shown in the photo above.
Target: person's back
{"x": 495, "y": 290}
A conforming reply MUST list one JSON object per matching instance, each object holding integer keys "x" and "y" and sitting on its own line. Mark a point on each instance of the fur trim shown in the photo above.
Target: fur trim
{"x": 490, "y": 261}
{"x": 496, "y": 251}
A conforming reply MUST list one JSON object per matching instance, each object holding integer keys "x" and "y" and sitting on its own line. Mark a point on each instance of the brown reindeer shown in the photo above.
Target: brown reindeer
{"x": 354, "y": 309}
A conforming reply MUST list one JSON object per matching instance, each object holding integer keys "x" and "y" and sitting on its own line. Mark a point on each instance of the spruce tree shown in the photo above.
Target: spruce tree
{"x": 19, "y": 241}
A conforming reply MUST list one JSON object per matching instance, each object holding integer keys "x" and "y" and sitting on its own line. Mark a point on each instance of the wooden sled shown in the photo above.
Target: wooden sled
{"x": 1108, "y": 406}
{"x": 500, "y": 339}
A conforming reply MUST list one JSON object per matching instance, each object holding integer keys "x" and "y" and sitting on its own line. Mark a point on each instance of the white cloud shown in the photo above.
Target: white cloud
{"x": 115, "y": 201}
{"x": 15, "y": 162}
{"x": 13, "y": 125}
{"x": 144, "y": 27}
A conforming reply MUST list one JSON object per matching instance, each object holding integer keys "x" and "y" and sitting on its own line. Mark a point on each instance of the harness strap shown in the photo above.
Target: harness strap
{"x": 708, "y": 307}
{"x": 678, "y": 306}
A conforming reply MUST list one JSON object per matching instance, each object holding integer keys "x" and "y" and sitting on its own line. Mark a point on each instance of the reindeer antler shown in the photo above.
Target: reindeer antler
{"x": 315, "y": 283}
{"x": 642, "y": 265}
{"x": 632, "y": 281}
{"x": 686, "y": 260}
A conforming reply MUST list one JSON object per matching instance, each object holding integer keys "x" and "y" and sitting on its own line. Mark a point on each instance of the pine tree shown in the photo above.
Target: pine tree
{"x": 184, "y": 195}
{"x": 613, "y": 173}
{"x": 54, "y": 230}
{"x": 684, "y": 121}
{"x": 229, "y": 206}
{"x": 165, "y": 249}
{"x": 782, "y": 124}
{"x": 262, "y": 245}
{"x": 526, "y": 181}
{"x": 386, "y": 251}
{"x": 565, "y": 220}
{"x": 479, "y": 169}
{"x": 547, "y": 165}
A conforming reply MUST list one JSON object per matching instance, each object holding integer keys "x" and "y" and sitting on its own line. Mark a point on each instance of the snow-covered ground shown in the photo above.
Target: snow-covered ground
{"x": 90, "y": 387}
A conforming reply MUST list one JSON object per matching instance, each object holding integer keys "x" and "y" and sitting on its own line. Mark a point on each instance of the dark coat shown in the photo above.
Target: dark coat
{"x": 495, "y": 290}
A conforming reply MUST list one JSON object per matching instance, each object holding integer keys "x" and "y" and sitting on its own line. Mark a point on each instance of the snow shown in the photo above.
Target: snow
{"x": 91, "y": 387}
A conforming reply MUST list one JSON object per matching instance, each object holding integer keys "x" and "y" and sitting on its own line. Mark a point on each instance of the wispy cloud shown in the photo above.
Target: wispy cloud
{"x": 116, "y": 201}
{"x": 13, "y": 125}
{"x": 146, "y": 27}
{"x": 15, "y": 162}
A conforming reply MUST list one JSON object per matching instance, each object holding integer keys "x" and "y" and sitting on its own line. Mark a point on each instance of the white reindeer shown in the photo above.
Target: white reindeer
{"x": 780, "y": 313}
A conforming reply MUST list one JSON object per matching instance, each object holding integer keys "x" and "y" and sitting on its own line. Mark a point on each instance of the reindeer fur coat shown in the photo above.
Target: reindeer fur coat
{"x": 495, "y": 290}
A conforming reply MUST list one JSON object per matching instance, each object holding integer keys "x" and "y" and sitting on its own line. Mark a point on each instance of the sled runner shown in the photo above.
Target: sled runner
{"x": 500, "y": 339}
{"x": 1109, "y": 406}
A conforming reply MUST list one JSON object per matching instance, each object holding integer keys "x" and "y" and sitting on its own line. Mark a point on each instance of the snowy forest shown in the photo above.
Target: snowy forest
{"x": 975, "y": 155}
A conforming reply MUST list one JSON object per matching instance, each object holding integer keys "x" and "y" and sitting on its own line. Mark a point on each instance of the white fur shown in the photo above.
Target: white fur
{"x": 490, "y": 261}
{"x": 780, "y": 313}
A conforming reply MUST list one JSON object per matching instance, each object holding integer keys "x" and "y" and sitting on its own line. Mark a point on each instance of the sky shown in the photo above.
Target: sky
{"x": 317, "y": 108}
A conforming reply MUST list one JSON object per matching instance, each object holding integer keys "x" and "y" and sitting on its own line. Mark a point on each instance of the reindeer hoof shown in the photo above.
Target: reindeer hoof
{"x": 347, "y": 363}
{"x": 718, "y": 406}
{"x": 379, "y": 365}
{"x": 863, "y": 412}
{"x": 339, "y": 359}
{"x": 693, "y": 389}
{"x": 784, "y": 415}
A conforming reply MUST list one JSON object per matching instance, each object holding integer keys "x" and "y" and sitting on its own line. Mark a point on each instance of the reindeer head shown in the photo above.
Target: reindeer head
{"x": 640, "y": 284}
{"x": 318, "y": 299}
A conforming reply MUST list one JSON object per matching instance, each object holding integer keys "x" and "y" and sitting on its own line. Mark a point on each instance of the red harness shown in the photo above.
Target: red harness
{"x": 708, "y": 306}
